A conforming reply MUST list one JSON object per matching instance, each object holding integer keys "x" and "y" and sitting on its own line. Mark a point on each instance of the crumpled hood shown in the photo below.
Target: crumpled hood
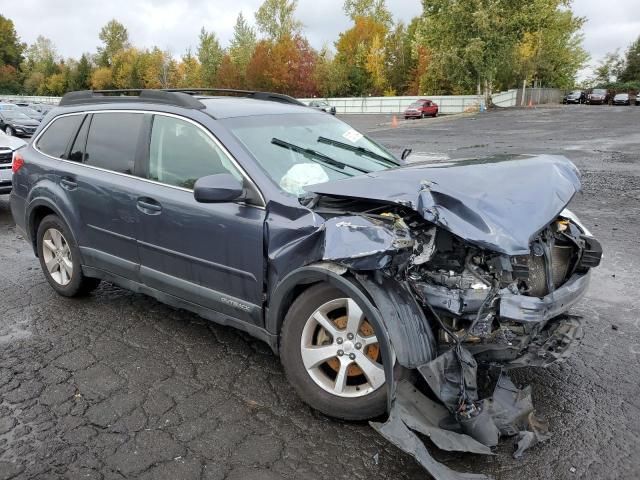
{"x": 500, "y": 203}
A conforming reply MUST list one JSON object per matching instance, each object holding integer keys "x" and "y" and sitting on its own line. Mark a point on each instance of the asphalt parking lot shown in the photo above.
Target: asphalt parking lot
{"x": 117, "y": 385}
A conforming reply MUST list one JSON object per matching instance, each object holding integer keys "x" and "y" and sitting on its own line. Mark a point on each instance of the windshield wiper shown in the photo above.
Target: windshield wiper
{"x": 352, "y": 148}
{"x": 325, "y": 159}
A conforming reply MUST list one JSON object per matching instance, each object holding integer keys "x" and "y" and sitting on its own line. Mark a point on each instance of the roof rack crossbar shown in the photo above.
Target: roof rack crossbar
{"x": 178, "y": 99}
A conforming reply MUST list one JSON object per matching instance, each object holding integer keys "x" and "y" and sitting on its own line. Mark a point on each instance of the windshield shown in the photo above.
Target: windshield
{"x": 304, "y": 149}
{"x": 7, "y": 106}
{"x": 599, "y": 91}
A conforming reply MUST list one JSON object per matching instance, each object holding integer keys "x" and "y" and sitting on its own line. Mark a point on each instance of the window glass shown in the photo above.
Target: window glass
{"x": 181, "y": 153}
{"x": 77, "y": 149}
{"x": 113, "y": 141}
{"x": 56, "y": 137}
{"x": 301, "y": 149}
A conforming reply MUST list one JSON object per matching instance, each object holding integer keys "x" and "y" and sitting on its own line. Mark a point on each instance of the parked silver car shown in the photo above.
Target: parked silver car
{"x": 8, "y": 145}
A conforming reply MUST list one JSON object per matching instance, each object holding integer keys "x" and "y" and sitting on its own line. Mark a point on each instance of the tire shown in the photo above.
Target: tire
{"x": 299, "y": 327}
{"x": 424, "y": 115}
{"x": 9, "y": 131}
{"x": 61, "y": 252}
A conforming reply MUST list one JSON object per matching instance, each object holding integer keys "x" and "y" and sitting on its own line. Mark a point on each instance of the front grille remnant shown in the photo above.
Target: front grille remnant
{"x": 5, "y": 157}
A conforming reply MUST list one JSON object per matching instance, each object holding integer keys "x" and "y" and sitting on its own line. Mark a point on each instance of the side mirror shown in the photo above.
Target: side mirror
{"x": 219, "y": 188}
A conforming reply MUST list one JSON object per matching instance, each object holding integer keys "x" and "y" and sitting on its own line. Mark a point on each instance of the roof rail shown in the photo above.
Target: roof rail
{"x": 269, "y": 96}
{"x": 165, "y": 97}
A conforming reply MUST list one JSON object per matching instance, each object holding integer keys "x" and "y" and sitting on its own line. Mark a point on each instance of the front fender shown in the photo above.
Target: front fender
{"x": 399, "y": 322}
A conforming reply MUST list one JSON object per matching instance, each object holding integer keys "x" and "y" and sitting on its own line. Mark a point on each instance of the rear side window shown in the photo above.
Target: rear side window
{"x": 55, "y": 139}
{"x": 113, "y": 140}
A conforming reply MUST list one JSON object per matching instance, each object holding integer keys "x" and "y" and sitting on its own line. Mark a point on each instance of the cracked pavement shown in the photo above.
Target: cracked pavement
{"x": 117, "y": 385}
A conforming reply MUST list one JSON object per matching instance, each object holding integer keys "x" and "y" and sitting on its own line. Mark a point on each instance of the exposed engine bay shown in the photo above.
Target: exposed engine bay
{"x": 488, "y": 308}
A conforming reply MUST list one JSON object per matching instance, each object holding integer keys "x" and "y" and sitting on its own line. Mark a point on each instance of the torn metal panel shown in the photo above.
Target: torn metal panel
{"x": 396, "y": 432}
{"x": 510, "y": 406}
{"x": 363, "y": 242}
{"x": 423, "y": 415}
{"x": 499, "y": 203}
{"x": 449, "y": 381}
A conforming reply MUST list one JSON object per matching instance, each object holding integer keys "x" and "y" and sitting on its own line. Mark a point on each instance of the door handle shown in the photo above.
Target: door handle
{"x": 149, "y": 206}
{"x": 68, "y": 183}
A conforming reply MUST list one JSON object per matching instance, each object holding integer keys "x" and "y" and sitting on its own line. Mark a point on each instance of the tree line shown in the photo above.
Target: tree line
{"x": 620, "y": 72}
{"x": 453, "y": 47}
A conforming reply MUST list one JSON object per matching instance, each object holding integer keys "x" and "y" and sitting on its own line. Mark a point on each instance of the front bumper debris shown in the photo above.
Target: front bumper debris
{"x": 521, "y": 308}
{"x": 508, "y": 412}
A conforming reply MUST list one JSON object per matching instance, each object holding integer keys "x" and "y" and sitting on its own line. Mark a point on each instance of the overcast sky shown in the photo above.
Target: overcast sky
{"x": 73, "y": 25}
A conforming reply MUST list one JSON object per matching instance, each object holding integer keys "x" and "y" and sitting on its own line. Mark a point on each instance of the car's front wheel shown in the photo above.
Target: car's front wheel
{"x": 331, "y": 355}
{"x": 60, "y": 258}
{"x": 9, "y": 131}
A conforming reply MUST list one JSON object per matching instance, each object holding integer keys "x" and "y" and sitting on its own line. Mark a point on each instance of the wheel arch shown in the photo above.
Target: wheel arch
{"x": 38, "y": 209}
{"x": 399, "y": 321}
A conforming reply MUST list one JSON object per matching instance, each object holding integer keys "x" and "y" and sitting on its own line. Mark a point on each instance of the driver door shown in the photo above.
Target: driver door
{"x": 210, "y": 255}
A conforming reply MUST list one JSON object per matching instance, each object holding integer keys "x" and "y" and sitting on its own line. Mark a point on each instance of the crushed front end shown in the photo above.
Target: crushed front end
{"x": 507, "y": 310}
{"x": 465, "y": 283}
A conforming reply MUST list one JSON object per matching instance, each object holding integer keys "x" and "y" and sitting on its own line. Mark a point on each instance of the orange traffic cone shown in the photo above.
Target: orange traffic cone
{"x": 530, "y": 103}
{"x": 394, "y": 122}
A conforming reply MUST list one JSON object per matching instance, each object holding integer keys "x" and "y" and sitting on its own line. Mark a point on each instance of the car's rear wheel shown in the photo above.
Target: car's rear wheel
{"x": 331, "y": 355}
{"x": 9, "y": 131}
{"x": 60, "y": 258}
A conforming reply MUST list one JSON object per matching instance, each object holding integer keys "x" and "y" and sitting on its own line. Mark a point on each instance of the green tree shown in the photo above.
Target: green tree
{"x": 241, "y": 48}
{"x": 376, "y": 9}
{"x": 82, "y": 74}
{"x": 276, "y": 20}
{"x": 42, "y": 57}
{"x": 552, "y": 55}
{"x": 472, "y": 42}
{"x": 210, "y": 56}
{"x": 631, "y": 70}
{"x": 610, "y": 68}
{"x": 188, "y": 71}
{"x": 115, "y": 38}
{"x": 10, "y": 46}
{"x": 401, "y": 62}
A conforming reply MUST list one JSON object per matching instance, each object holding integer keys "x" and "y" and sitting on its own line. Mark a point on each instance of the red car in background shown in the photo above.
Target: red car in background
{"x": 420, "y": 109}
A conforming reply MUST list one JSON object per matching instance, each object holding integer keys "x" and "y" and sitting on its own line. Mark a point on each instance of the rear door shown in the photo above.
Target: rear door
{"x": 99, "y": 175}
{"x": 208, "y": 254}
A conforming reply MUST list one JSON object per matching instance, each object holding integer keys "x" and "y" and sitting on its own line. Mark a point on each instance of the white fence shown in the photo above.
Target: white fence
{"x": 505, "y": 99}
{"x": 448, "y": 104}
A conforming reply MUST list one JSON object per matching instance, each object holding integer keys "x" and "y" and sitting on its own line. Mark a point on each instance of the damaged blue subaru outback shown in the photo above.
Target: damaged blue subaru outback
{"x": 385, "y": 285}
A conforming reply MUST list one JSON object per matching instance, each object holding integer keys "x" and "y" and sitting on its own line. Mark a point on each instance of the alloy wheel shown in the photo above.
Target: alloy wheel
{"x": 340, "y": 350}
{"x": 57, "y": 256}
